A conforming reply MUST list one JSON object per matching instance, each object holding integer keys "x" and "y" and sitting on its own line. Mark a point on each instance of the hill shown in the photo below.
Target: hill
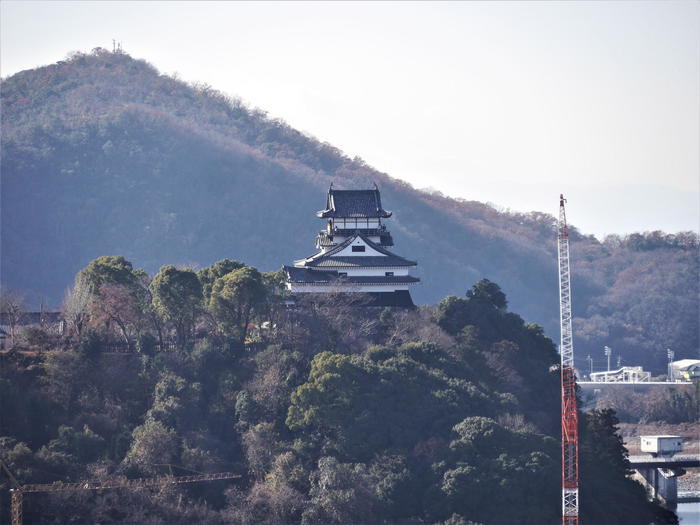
{"x": 328, "y": 416}
{"x": 103, "y": 155}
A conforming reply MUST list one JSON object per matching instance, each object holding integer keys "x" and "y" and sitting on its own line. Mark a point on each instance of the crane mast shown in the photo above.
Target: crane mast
{"x": 569, "y": 414}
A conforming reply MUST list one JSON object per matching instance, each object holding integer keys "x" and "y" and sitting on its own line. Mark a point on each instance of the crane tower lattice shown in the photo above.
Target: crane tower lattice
{"x": 17, "y": 494}
{"x": 569, "y": 414}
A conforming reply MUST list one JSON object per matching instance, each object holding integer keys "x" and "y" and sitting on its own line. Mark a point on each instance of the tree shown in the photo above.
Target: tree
{"x": 279, "y": 499}
{"x": 153, "y": 445}
{"x": 235, "y": 297}
{"x": 385, "y": 398}
{"x": 175, "y": 402}
{"x": 208, "y": 275}
{"x": 177, "y": 299}
{"x": 12, "y": 309}
{"x": 85, "y": 446}
{"x": 108, "y": 269}
{"x": 490, "y": 472}
{"x": 106, "y": 292}
{"x": 452, "y": 314}
{"x": 144, "y": 296}
{"x": 608, "y": 495}
{"x": 118, "y": 304}
{"x": 341, "y": 493}
{"x": 488, "y": 292}
{"x": 274, "y": 283}
{"x": 260, "y": 442}
{"x": 76, "y": 305}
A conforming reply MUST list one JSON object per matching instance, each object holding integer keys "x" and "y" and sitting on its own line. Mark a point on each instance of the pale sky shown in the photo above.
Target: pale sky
{"x": 504, "y": 102}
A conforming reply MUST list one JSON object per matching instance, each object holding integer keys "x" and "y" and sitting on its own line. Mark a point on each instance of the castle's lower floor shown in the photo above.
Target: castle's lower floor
{"x": 397, "y": 299}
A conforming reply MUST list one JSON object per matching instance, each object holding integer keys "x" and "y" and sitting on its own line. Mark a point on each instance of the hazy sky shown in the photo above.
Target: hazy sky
{"x": 505, "y": 102}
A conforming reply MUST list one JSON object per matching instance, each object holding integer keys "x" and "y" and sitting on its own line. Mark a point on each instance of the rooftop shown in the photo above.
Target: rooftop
{"x": 354, "y": 203}
{"x": 329, "y": 259}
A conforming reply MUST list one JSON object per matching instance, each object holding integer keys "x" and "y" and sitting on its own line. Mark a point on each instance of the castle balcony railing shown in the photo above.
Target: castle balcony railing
{"x": 385, "y": 238}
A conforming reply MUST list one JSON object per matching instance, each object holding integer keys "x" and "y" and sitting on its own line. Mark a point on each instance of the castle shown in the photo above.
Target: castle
{"x": 353, "y": 254}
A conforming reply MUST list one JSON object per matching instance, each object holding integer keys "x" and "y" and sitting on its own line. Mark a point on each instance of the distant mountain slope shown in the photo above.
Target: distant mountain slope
{"x": 103, "y": 155}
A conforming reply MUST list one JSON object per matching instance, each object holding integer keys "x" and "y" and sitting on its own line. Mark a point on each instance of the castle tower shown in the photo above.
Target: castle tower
{"x": 353, "y": 255}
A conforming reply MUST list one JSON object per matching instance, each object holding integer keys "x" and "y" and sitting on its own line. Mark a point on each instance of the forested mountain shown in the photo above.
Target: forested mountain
{"x": 103, "y": 155}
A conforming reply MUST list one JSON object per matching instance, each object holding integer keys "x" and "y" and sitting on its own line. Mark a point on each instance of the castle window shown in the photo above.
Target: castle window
{"x": 389, "y": 274}
{"x": 358, "y": 248}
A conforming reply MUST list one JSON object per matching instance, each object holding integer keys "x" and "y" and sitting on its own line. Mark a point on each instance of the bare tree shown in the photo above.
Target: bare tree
{"x": 12, "y": 307}
{"x": 345, "y": 317}
{"x": 417, "y": 325}
{"x": 76, "y": 306}
{"x": 118, "y": 304}
{"x": 146, "y": 296}
{"x": 260, "y": 443}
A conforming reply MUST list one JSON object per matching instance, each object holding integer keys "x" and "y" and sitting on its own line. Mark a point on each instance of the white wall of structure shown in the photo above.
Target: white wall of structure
{"x": 339, "y": 239}
{"x": 371, "y": 271}
{"x": 347, "y": 251}
{"x": 320, "y": 288}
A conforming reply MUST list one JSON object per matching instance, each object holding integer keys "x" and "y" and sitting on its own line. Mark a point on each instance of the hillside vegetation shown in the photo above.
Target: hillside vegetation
{"x": 101, "y": 154}
{"x": 442, "y": 415}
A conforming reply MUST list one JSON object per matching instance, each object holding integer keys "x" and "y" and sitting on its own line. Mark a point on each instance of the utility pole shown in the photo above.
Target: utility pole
{"x": 670, "y": 354}
{"x": 590, "y": 363}
{"x": 608, "y": 353}
{"x": 569, "y": 413}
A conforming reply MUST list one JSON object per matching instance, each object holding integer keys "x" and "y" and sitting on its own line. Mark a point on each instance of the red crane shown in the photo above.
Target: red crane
{"x": 569, "y": 413}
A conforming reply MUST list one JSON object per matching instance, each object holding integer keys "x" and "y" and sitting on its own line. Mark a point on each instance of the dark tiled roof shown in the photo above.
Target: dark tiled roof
{"x": 329, "y": 259}
{"x": 353, "y": 203}
{"x": 361, "y": 261}
{"x": 309, "y": 275}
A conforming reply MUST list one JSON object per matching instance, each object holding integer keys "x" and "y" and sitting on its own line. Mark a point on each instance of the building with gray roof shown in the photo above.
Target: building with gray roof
{"x": 352, "y": 253}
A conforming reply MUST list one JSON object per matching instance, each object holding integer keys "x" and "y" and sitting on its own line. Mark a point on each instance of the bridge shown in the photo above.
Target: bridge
{"x": 659, "y": 476}
{"x": 600, "y": 385}
{"x": 680, "y": 461}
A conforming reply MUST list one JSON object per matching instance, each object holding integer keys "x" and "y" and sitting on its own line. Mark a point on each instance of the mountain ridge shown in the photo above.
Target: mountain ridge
{"x": 164, "y": 172}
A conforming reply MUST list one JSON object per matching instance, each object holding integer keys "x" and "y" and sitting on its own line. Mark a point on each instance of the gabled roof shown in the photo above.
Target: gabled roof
{"x": 362, "y": 261}
{"x": 330, "y": 259}
{"x": 309, "y": 275}
{"x": 353, "y": 203}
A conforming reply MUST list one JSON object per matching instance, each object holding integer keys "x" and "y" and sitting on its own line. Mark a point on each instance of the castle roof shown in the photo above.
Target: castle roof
{"x": 331, "y": 259}
{"x": 353, "y": 203}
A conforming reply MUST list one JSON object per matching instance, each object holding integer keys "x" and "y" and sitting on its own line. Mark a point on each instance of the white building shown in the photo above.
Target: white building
{"x": 664, "y": 446}
{"x": 685, "y": 370}
{"x": 353, "y": 255}
{"x": 626, "y": 374}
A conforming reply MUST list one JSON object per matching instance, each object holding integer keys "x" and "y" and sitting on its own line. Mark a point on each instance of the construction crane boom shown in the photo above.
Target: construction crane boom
{"x": 17, "y": 494}
{"x": 569, "y": 413}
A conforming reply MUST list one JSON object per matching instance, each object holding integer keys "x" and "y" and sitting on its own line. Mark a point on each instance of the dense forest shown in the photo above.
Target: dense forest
{"x": 331, "y": 413}
{"x": 102, "y": 154}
